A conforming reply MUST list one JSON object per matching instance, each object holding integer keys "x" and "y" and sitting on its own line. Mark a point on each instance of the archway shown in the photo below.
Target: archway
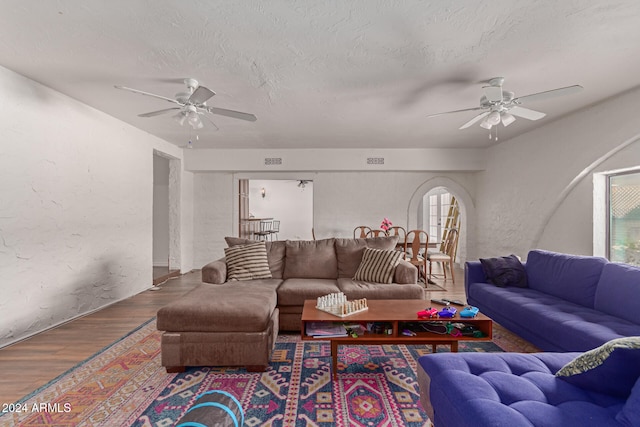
{"x": 467, "y": 239}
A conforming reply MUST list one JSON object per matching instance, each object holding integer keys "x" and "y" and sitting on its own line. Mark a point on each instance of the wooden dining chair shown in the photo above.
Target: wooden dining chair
{"x": 361, "y": 231}
{"x": 415, "y": 249}
{"x": 376, "y": 233}
{"x": 401, "y": 232}
{"x": 446, "y": 258}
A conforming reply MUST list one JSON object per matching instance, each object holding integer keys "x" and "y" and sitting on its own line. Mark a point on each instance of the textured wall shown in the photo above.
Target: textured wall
{"x": 286, "y": 202}
{"x": 341, "y": 200}
{"x": 212, "y": 215}
{"x": 537, "y": 189}
{"x": 75, "y": 211}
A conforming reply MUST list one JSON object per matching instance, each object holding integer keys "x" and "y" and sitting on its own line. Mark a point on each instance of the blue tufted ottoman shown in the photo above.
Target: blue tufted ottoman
{"x": 513, "y": 389}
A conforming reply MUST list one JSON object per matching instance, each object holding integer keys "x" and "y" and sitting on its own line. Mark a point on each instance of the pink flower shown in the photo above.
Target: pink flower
{"x": 386, "y": 224}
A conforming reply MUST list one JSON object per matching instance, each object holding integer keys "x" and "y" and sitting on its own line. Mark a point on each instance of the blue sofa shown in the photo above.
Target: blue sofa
{"x": 513, "y": 390}
{"x": 572, "y": 303}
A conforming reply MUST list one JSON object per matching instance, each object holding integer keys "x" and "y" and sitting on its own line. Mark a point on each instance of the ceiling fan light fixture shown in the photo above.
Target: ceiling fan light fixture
{"x": 195, "y": 123}
{"x": 507, "y": 119}
{"x": 180, "y": 118}
{"x": 485, "y": 124}
{"x": 493, "y": 118}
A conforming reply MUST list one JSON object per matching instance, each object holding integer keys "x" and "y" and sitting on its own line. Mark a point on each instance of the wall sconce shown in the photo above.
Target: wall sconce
{"x": 263, "y": 192}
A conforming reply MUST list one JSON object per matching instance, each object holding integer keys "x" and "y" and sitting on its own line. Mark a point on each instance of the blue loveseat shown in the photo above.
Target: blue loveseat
{"x": 571, "y": 304}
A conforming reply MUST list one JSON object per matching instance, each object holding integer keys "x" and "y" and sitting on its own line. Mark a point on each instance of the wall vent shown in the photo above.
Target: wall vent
{"x": 269, "y": 161}
{"x": 375, "y": 160}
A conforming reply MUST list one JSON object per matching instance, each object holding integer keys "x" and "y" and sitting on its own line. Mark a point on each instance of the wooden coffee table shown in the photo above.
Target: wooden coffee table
{"x": 395, "y": 313}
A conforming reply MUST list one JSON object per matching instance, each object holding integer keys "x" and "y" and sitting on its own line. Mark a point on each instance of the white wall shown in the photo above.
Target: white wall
{"x": 160, "y": 211}
{"x": 286, "y": 202}
{"x": 537, "y": 189}
{"x": 76, "y": 208}
{"x": 342, "y": 201}
{"x": 212, "y": 215}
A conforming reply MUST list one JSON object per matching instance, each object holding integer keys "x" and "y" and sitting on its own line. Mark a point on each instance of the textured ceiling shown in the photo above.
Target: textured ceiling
{"x": 334, "y": 74}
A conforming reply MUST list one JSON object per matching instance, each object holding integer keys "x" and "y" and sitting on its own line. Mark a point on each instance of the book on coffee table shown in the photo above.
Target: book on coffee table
{"x": 325, "y": 330}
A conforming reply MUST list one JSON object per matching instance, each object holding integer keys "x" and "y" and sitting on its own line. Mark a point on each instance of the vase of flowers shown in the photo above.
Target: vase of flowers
{"x": 386, "y": 224}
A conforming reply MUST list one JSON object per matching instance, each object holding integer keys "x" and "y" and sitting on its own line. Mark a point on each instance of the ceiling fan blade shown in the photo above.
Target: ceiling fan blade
{"x": 231, "y": 113}
{"x": 475, "y": 119}
{"x": 147, "y": 94}
{"x": 526, "y": 113}
{"x": 200, "y": 95}
{"x": 210, "y": 121}
{"x": 456, "y": 111}
{"x": 549, "y": 94}
{"x": 157, "y": 113}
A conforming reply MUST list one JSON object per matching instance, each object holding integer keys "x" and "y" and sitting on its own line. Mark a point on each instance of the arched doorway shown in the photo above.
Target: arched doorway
{"x": 415, "y": 213}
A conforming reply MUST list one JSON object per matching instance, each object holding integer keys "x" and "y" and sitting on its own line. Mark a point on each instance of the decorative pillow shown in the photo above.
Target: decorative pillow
{"x": 247, "y": 262}
{"x": 505, "y": 271}
{"x": 349, "y": 252}
{"x": 613, "y": 368}
{"x": 377, "y": 265}
{"x": 275, "y": 253}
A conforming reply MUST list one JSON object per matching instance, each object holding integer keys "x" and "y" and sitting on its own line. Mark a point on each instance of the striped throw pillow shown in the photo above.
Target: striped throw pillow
{"x": 247, "y": 262}
{"x": 378, "y": 265}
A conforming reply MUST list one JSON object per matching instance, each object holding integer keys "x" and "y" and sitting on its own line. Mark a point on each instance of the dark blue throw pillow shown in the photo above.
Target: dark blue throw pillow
{"x": 505, "y": 271}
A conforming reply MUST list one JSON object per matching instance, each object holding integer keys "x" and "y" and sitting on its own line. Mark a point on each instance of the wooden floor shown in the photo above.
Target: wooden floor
{"x": 29, "y": 364}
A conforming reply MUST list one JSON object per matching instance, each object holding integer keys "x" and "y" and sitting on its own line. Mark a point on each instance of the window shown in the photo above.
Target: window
{"x": 623, "y": 225}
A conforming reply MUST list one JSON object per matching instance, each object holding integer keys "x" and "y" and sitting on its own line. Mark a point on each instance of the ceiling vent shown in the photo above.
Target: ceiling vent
{"x": 270, "y": 161}
{"x": 375, "y": 160}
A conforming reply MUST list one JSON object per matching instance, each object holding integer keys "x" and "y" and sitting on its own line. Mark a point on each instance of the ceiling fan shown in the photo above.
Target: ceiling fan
{"x": 191, "y": 105}
{"x": 501, "y": 106}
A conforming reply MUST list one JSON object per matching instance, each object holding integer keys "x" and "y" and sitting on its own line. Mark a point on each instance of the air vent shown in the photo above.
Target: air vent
{"x": 375, "y": 160}
{"x": 269, "y": 161}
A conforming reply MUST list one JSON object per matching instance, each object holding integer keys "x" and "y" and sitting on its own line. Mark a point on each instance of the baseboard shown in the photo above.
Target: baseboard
{"x": 63, "y": 322}
{"x": 160, "y": 264}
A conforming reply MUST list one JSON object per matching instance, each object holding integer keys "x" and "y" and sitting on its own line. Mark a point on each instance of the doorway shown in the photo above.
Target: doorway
{"x": 418, "y": 209}
{"x": 287, "y": 204}
{"x": 441, "y": 213}
{"x": 162, "y": 269}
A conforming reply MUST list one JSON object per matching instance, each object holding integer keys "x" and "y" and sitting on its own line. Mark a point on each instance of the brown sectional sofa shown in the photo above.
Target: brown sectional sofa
{"x": 235, "y": 323}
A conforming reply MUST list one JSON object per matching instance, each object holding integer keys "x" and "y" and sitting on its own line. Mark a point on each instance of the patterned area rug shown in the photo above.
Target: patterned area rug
{"x": 125, "y": 385}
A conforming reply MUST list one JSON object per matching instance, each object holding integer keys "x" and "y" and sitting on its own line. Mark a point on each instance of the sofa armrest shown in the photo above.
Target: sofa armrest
{"x": 215, "y": 272}
{"x": 473, "y": 273}
{"x": 405, "y": 273}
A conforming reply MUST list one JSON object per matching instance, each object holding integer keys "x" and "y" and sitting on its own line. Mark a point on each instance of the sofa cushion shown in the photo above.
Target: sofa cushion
{"x": 275, "y": 253}
{"x": 296, "y": 291}
{"x": 356, "y": 289}
{"x": 246, "y": 262}
{"x": 613, "y": 368}
{"x": 505, "y": 271}
{"x": 630, "y": 414}
{"x": 618, "y": 291}
{"x": 311, "y": 259}
{"x": 510, "y": 389}
{"x": 559, "y": 325}
{"x": 349, "y": 252}
{"x": 377, "y": 265}
{"x": 570, "y": 277}
{"x": 232, "y": 307}
{"x": 406, "y": 273}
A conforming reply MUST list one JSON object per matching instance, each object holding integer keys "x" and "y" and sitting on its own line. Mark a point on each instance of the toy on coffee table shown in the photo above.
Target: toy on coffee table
{"x": 338, "y": 305}
{"x": 428, "y": 312}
